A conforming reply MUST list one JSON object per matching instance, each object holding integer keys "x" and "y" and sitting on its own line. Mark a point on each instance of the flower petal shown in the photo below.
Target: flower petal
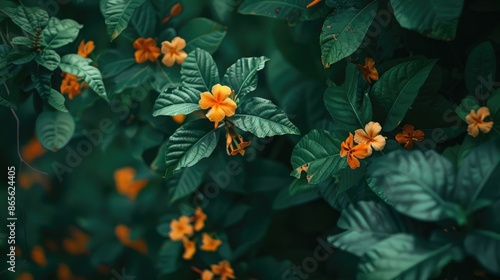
{"x": 353, "y": 162}
{"x": 166, "y": 46}
{"x": 179, "y": 43}
{"x": 168, "y": 60}
{"x": 372, "y": 129}
{"x": 180, "y": 57}
{"x": 402, "y": 137}
{"x": 207, "y": 100}
{"x": 485, "y": 127}
{"x": 216, "y": 114}
{"x": 418, "y": 135}
{"x": 483, "y": 112}
{"x": 473, "y": 130}
{"x": 360, "y": 136}
{"x": 228, "y": 106}
{"x": 221, "y": 92}
{"x": 378, "y": 143}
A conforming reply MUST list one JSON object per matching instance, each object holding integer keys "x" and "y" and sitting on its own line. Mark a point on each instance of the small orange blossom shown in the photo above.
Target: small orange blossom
{"x": 353, "y": 153}
{"x": 218, "y": 101}
{"x": 476, "y": 121}
{"x": 409, "y": 135}
{"x": 209, "y": 244}
{"x": 368, "y": 70}
{"x": 370, "y": 135}
{"x": 223, "y": 269}
{"x": 146, "y": 49}
{"x": 180, "y": 228}
{"x": 173, "y": 51}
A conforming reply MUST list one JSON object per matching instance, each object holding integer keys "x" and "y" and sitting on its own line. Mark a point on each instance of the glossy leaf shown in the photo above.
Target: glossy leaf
{"x": 349, "y": 108}
{"x": 43, "y": 85}
{"x": 263, "y": 119}
{"x": 54, "y": 129}
{"x": 117, "y": 15}
{"x": 485, "y": 247}
{"x": 49, "y": 59}
{"x": 320, "y": 151}
{"x": 437, "y": 19}
{"x": 344, "y": 30}
{"x": 31, "y": 20}
{"x": 199, "y": 71}
{"x": 242, "y": 75}
{"x": 182, "y": 100}
{"x": 60, "y": 32}
{"x": 202, "y": 33}
{"x": 396, "y": 90}
{"x": 480, "y": 71}
{"x": 416, "y": 184}
{"x": 80, "y": 67}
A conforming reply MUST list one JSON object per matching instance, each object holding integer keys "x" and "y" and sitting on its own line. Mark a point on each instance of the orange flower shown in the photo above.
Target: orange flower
{"x": 368, "y": 70}
{"x": 173, "y": 51}
{"x": 223, "y": 269}
{"x": 180, "y": 228}
{"x": 207, "y": 275}
{"x": 71, "y": 85}
{"x": 146, "y": 49}
{"x": 189, "y": 248}
{"x": 232, "y": 146}
{"x": 126, "y": 184}
{"x": 313, "y": 3}
{"x": 174, "y": 11}
{"x": 32, "y": 150}
{"x": 38, "y": 256}
{"x": 353, "y": 153}
{"x": 28, "y": 276}
{"x": 219, "y": 103}
{"x": 122, "y": 232}
{"x": 84, "y": 49}
{"x": 476, "y": 121}
{"x": 370, "y": 136}
{"x": 209, "y": 244}
{"x": 77, "y": 244}
{"x": 409, "y": 135}
{"x": 179, "y": 118}
{"x": 199, "y": 219}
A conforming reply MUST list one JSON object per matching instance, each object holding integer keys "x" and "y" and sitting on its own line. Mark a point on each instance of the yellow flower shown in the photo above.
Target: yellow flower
{"x": 409, "y": 135}
{"x": 189, "y": 248}
{"x": 476, "y": 121}
{"x": 353, "y": 153}
{"x": 223, "y": 269}
{"x": 218, "y": 101}
{"x": 180, "y": 228}
{"x": 126, "y": 184}
{"x": 207, "y": 275}
{"x": 313, "y": 3}
{"x": 122, "y": 232}
{"x": 146, "y": 49}
{"x": 199, "y": 219}
{"x": 368, "y": 70}
{"x": 173, "y": 51}
{"x": 84, "y": 49}
{"x": 38, "y": 256}
{"x": 209, "y": 244}
{"x": 370, "y": 136}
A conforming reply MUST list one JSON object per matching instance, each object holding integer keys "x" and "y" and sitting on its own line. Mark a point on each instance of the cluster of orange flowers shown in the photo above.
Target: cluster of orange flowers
{"x": 173, "y": 52}
{"x": 184, "y": 228}
{"x": 367, "y": 140}
{"x": 71, "y": 84}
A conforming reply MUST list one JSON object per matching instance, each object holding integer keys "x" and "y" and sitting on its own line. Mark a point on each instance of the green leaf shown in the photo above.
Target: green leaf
{"x": 349, "y": 108}
{"x": 188, "y": 181}
{"x": 416, "y": 184}
{"x": 49, "y": 59}
{"x": 202, "y": 33}
{"x": 199, "y": 71}
{"x": 60, "y": 32}
{"x": 366, "y": 224}
{"x": 54, "y": 129}
{"x": 22, "y": 41}
{"x": 485, "y": 247}
{"x": 404, "y": 256}
{"x": 477, "y": 181}
{"x": 290, "y": 10}
{"x": 21, "y": 56}
{"x": 263, "y": 119}
{"x": 7, "y": 68}
{"x": 118, "y": 14}
{"x": 182, "y": 100}
{"x": 396, "y": 90}
{"x": 7, "y": 103}
{"x": 168, "y": 256}
{"x": 437, "y": 19}
{"x": 319, "y": 153}
{"x": 344, "y": 30}
{"x": 79, "y": 66}
{"x": 43, "y": 85}
{"x": 189, "y": 144}
{"x": 300, "y": 185}
{"x": 242, "y": 75}
{"x": 28, "y": 19}
{"x": 468, "y": 103}
{"x": 480, "y": 70}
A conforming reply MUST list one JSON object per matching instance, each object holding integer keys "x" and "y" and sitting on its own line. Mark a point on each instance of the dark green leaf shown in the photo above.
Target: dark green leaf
{"x": 49, "y": 59}
{"x": 344, "y": 30}
{"x": 80, "y": 67}
{"x": 182, "y": 100}
{"x": 54, "y": 129}
{"x": 28, "y": 19}
{"x": 199, "y": 71}
{"x": 60, "y": 32}
{"x": 485, "y": 247}
{"x": 396, "y": 90}
{"x": 202, "y": 33}
{"x": 118, "y": 14}
{"x": 263, "y": 119}
{"x": 242, "y": 75}
{"x": 43, "y": 85}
